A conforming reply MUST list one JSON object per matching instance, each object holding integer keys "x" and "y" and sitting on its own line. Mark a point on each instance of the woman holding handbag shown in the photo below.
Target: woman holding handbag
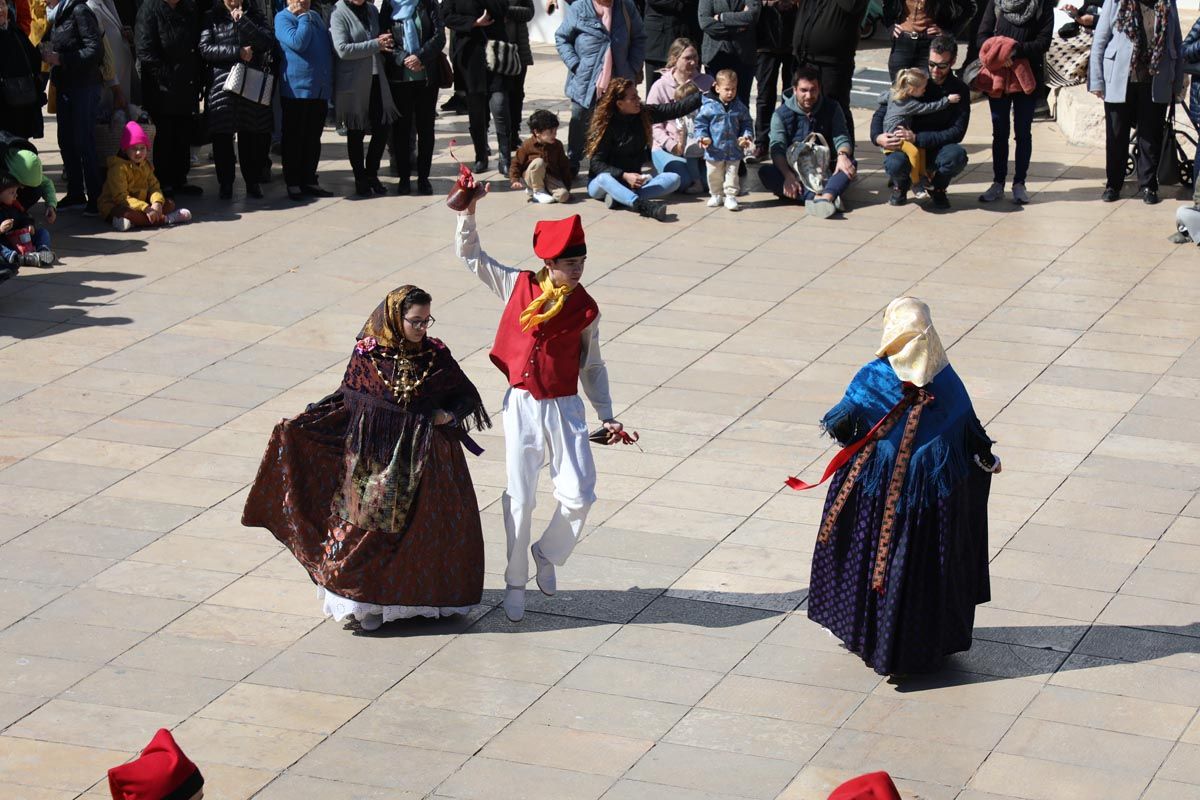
{"x": 235, "y": 39}
{"x": 1136, "y": 71}
{"x": 479, "y": 38}
{"x": 414, "y": 70}
{"x": 21, "y": 98}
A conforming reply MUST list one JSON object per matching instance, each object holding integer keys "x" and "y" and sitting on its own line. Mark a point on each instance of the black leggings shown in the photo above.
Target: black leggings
{"x": 415, "y": 100}
{"x": 252, "y": 149}
{"x": 303, "y": 122}
{"x": 368, "y": 169}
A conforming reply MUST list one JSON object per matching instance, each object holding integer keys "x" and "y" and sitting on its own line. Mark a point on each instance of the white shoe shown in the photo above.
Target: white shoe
{"x": 714, "y": 201}
{"x": 121, "y": 224}
{"x": 993, "y": 193}
{"x": 514, "y": 603}
{"x": 179, "y": 216}
{"x": 546, "y": 580}
{"x": 1020, "y": 196}
{"x": 542, "y": 197}
{"x": 371, "y": 622}
{"x": 731, "y": 202}
{"x": 921, "y": 190}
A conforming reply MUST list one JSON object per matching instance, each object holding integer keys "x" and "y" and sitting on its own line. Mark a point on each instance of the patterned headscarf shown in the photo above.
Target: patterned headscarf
{"x": 386, "y": 323}
{"x": 910, "y": 343}
{"x": 1129, "y": 22}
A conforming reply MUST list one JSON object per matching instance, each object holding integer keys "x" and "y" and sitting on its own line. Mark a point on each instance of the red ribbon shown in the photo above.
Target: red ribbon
{"x": 844, "y": 455}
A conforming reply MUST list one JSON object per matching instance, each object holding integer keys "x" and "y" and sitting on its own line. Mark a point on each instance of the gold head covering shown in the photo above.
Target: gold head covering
{"x": 910, "y": 343}
{"x": 386, "y": 323}
{"x": 556, "y": 296}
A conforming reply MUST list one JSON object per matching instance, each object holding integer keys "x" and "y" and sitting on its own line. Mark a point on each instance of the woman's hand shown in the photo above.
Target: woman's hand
{"x": 6, "y": 226}
{"x": 298, "y": 7}
{"x": 413, "y": 63}
{"x": 933, "y": 30}
{"x": 236, "y": 13}
{"x": 51, "y": 215}
{"x": 633, "y": 179}
{"x": 896, "y": 31}
{"x": 484, "y": 20}
{"x": 247, "y": 53}
{"x": 386, "y": 43}
{"x": 441, "y": 417}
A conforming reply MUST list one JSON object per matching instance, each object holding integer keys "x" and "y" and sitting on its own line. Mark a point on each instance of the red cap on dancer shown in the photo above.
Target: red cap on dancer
{"x": 872, "y": 786}
{"x": 162, "y": 772}
{"x": 559, "y": 238}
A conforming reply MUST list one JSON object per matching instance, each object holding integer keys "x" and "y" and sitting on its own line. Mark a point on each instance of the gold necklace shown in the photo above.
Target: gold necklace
{"x": 404, "y": 382}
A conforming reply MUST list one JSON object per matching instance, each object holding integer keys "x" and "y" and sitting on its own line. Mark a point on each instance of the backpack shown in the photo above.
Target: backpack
{"x": 810, "y": 161}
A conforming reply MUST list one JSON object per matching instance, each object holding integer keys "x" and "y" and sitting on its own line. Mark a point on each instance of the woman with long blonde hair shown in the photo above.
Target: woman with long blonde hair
{"x": 616, "y": 147}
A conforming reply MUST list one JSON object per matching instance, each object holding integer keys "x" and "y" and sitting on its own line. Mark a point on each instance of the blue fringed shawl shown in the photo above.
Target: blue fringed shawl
{"x": 948, "y": 436}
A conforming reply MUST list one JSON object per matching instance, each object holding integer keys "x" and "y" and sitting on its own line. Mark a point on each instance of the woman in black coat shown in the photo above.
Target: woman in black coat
{"x": 475, "y": 23}
{"x": 666, "y": 21}
{"x": 414, "y": 78}
{"x": 74, "y": 54}
{"x": 915, "y": 23}
{"x": 235, "y": 33}
{"x": 516, "y": 22}
{"x": 20, "y": 66}
{"x": 167, "y": 37}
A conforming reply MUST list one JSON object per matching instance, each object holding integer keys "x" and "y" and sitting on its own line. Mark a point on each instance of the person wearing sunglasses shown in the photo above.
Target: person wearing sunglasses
{"x": 939, "y": 134}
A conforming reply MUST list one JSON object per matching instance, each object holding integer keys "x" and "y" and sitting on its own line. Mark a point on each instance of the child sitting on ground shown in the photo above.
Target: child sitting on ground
{"x": 904, "y": 102}
{"x": 541, "y": 163}
{"x": 22, "y": 244}
{"x": 132, "y": 197}
{"x": 691, "y": 150}
{"x": 725, "y": 130}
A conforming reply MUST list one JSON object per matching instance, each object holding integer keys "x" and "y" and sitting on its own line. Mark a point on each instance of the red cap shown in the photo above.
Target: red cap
{"x": 162, "y": 772}
{"x": 559, "y": 238}
{"x": 872, "y": 786}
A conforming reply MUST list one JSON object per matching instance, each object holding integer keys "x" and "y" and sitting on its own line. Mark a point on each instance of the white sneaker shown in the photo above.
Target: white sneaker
{"x": 514, "y": 603}
{"x": 546, "y": 580}
{"x": 714, "y": 201}
{"x": 179, "y": 216}
{"x": 993, "y": 193}
{"x": 542, "y": 197}
{"x": 121, "y": 224}
{"x": 731, "y": 202}
{"x": 371, "y": 622}
{"x": 1020, "y": 196}
{"x": 921, "y": 190}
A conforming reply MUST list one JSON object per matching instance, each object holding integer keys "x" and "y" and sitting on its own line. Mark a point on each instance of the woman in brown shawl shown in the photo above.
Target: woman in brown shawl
{"x": 369, "y": 487}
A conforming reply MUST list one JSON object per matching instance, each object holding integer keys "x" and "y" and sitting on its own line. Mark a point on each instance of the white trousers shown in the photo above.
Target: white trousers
{"x": 537, "y": 432}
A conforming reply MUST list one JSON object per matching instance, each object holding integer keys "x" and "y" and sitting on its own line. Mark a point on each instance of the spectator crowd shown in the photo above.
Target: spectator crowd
{"x": 134, "y": 85}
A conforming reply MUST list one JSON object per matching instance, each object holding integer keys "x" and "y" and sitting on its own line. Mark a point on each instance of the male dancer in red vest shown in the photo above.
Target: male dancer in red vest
{"x": 548, "y": 341}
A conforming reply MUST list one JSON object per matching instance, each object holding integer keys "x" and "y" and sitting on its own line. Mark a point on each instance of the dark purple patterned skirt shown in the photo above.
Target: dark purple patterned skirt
{"x": 938, "y": 573}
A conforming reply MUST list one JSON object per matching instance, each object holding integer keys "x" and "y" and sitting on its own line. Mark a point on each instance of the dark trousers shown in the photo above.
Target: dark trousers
{"x": 477, "y": 122}
{"x": 770, "y": 67}
{"x": 772, "y": 180}
{"x": 366, "y": 167}
{"x": 506, "y": 119}
{"x": 744, "y": 70}
{"x": 1149, "y": 117}
{"x": 947, "y": 163}
{"x": 652, "y": 68}
{"x": 836, "y": 79}
{"x": 77, "y": 141}
{"x": 303, "y": 122}
{"x": 581, "y": 118}
{"x": 252, "y": 149}
{"x": 908, "y": 52}
{"x": 516, "y": 103}
{"x": 172, "y": 148}
{"x": 415, "y": 100}
{"x": 1021, "y": 107}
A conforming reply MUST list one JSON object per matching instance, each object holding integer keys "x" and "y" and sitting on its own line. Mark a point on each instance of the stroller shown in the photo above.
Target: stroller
{"x": 1183, "y": 154}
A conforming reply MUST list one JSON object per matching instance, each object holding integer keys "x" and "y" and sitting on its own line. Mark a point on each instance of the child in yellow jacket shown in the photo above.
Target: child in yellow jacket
{"x": 132, "y": 197}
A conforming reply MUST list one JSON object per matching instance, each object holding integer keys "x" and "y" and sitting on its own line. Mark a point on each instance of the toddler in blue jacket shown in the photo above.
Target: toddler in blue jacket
{"x": 725, "y": 130}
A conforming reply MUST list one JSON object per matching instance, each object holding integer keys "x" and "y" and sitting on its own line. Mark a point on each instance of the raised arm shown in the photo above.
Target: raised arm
{"x": 491, "y": 273}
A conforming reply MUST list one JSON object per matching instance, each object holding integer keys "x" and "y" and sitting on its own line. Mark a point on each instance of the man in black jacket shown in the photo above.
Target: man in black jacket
{"x": 826, "y": 38}
{"x": 776, "y": 27}
{"x": 168, "y": 38}
{"x": 938, "y": 134}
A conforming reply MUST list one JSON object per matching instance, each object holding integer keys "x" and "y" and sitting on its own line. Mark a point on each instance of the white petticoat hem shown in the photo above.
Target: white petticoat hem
{"x": 341, "y": 608}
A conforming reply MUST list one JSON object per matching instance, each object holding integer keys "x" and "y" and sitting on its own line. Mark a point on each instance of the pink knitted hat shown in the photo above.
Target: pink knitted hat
{"x": 133, "y": 135}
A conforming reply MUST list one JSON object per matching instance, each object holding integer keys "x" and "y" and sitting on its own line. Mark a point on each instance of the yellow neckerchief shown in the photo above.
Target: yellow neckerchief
{"x": 556, "y": 296}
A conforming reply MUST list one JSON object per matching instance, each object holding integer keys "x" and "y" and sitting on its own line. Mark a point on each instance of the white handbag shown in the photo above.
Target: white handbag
{"x": 250, "y": 83}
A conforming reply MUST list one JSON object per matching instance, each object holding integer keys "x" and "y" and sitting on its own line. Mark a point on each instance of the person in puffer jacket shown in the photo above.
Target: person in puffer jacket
{"x": 132, "y": 197}
{"x": 725, "y": 129}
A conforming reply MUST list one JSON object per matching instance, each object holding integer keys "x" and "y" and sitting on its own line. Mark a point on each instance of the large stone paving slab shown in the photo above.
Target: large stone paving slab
{"x": 140, "y": 377}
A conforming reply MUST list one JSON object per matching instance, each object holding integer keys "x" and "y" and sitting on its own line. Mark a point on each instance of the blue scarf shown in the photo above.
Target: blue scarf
{"x": 405, "y": 12}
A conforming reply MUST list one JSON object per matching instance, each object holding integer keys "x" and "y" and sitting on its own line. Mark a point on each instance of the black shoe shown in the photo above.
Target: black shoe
{"x": 1150, "y": 196}
{"x": 90, "y": 210}
{"x": 455, "y": 105}
{"x": 650, "y": 209}
{"x": 254, "y": 190}
{"x": 377, "y": 187}
{"x": 69, "y": 200}
{"x": 6, "y": 273}
{"x": 225, "y": 193}
{"x": 938, "y": 198}
{"x": 188, "y": 189}
{"x": 424, "y": 186}
{"x": 480, "y": 166}
{"x": 362, "y": 188}
{"x": 1111, "y": 195}
{"x": 315, "y": 191}
{"x": 404, "y": 186}
{"x": 295, "y": 193}
{"x": 502, "y": 168}
{"x": 899, "y": 197}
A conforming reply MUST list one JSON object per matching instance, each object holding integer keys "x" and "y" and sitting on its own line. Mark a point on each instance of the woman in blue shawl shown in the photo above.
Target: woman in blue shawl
{"x": 901, "y": 557}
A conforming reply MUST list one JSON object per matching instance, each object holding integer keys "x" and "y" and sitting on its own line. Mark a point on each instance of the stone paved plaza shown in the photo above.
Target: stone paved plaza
{"x": 141, "y": 376}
